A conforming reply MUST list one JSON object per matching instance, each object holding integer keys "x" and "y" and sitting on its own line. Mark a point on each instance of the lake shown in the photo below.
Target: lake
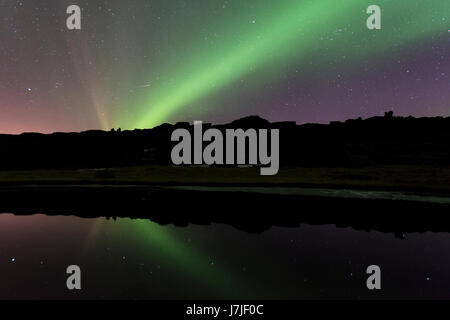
{"x": 139, "y": 259}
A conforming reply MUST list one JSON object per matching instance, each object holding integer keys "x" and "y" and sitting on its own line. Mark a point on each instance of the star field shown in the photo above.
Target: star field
{"x": 139, "y": 64}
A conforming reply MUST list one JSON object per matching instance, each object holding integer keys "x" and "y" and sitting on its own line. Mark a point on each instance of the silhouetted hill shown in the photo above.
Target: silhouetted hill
{"x": 374, "y": 141}
{"x": 249, "y": 122}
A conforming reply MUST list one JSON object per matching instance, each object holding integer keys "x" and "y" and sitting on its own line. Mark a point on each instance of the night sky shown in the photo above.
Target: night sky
{"x": 138, "y": 64}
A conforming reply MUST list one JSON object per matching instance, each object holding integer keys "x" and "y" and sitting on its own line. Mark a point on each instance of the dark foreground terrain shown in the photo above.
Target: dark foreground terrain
{"x": 377, "y": 141}
{"x": 386, "y": 173}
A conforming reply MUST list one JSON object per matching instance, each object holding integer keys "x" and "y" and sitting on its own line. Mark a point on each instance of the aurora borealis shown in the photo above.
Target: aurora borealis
{"x": 140, "y": 64}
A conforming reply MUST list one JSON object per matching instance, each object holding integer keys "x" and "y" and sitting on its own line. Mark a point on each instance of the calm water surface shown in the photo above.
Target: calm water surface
{"x": 140, "y": 259}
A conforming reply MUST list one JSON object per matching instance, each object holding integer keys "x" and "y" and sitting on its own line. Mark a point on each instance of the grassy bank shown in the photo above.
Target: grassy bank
{"x": 407, "y": 178}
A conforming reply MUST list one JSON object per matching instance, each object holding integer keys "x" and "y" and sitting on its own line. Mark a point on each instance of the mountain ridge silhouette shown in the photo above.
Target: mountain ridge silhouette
{"x": 355, "y": 142}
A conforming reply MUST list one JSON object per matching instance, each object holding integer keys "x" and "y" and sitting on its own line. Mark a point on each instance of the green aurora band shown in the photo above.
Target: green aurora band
{"x": 281, "y": 33}
{"x": 259, "y": 47}
{"x": 188, "y": 260}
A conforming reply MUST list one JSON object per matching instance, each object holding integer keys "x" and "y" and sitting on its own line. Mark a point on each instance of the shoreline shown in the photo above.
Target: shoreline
{"x": 413, "y": 190}
{"x": 291, "y": 189}
{"x": 252, "y": 212}
{"x": 431, "y": 180}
